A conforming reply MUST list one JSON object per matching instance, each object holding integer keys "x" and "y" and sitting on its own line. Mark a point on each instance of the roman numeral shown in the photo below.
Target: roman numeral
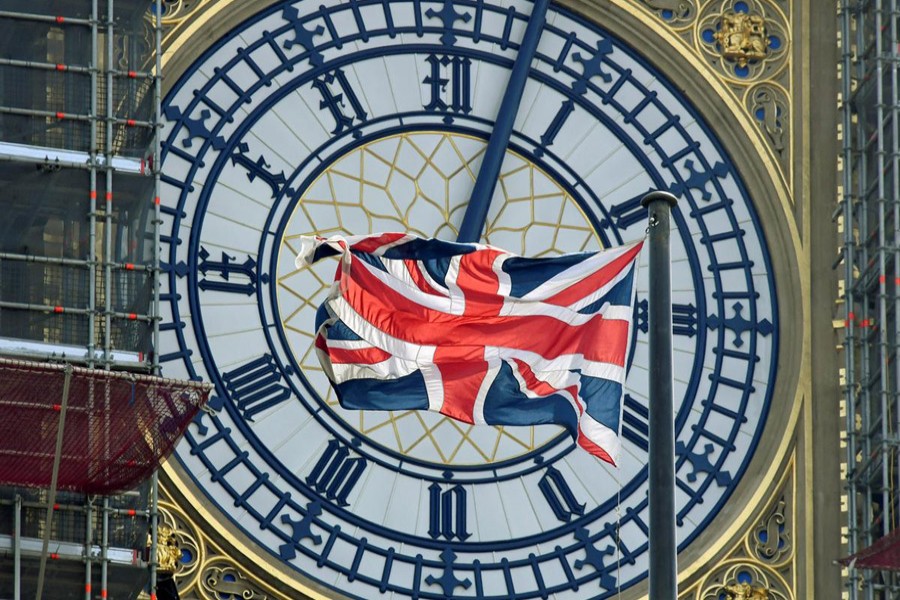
{"x": 335, "y": 90}
{"x": 258, "y": 169}
{"x": 335, "y": 473}
{"x": 684, "y": 319}
{"x": 559, "y": 495}
{"x": 447, "y": 512}
{"x": 553, "y": 129}
{"x": 233, "y": 277}
{"x": 625, "y": 214}
{"x": 256, "y": 386}
{"x": 636, "y": 423}
{"x": 450, "y": 85}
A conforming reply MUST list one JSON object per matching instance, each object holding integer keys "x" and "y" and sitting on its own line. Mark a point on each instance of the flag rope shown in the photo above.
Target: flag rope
{"x": 618, "y": 533}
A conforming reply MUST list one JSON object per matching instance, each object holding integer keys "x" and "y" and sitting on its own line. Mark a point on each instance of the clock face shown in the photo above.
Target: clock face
{"x": 359, "y": 117}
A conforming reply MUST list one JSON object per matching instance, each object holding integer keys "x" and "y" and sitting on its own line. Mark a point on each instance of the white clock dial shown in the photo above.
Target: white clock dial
{"x": 365, "y": 116}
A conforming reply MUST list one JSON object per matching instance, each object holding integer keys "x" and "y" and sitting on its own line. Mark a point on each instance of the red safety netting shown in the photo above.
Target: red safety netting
{"x": 884, "y": 554}
{"x": 118, "y": 426}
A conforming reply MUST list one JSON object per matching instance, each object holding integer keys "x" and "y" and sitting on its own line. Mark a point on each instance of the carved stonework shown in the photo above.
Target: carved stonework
{"x": 742, "y": 38}
{"x": 746, "y": 40}
{"x": 675, "y": 13}
{"x": 745, "y": 591}
{"x": 772, "y": 539}
{"x": 762, "y": 561}
{"x": 198, "y": 566}
{"x": 168, "y": 555}
{"x": 222, "y": 579}
{"x": 769, "y": 104}
{"x": 175, "y": 11}
{"x": 186, "y": 548}
{"x": 745, "y": 581}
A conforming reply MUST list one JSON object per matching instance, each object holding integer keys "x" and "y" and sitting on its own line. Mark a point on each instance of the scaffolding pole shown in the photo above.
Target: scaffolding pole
{"x": 870, "y": 257}
{"x": 157, "y": 101}
{"x": 102, "y": 143}
{"x": 51, "y": 501}
{"x": 17, "y": 548}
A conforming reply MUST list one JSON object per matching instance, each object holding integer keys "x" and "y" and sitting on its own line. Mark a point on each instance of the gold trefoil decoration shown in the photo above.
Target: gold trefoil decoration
{"x": 745, "y": 591}
{"x": 742, "y": 37}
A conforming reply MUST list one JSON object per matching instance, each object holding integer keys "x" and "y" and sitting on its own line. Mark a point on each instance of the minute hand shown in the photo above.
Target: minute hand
{"x": 480, "y": 202}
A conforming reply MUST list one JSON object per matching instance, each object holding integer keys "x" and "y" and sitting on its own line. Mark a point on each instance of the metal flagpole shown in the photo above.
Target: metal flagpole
{"x": 472, "y": 225}
{"x": 663, "y": 561}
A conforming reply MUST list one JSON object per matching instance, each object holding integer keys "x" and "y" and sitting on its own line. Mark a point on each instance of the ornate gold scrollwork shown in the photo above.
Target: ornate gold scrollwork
{"x": 768, "y": 103}
{"x": 675, "y": 13}
{"x": 744, "y": 591}
{"x": 179, "y": 550}
{"x": 742, "y": 37}
{"x": 763, "y": 560}
{"x": 747, "y": 39}
{"x": 741, "y": 580}
{"x": 189, "y": 558}
{"x": 771, "y": 540}
{"x": 174, "y": 11}
{"x": 222, "y": 579}
{"x": 168, "y": 554}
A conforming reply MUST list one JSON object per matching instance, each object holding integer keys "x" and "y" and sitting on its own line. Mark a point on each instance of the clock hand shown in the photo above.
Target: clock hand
{"x": 480, "y": 201}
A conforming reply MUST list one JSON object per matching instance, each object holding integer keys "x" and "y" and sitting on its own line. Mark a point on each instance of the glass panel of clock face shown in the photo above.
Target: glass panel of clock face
{"x": 348, "y": 118}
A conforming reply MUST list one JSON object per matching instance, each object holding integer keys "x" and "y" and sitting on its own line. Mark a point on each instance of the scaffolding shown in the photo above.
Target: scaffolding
{"x": 868, "y": 217}
{"x": 80, "y": 93}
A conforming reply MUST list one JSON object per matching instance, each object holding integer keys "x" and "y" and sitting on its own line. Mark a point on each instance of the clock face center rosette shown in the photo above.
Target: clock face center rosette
{"x": 420, "y": 183}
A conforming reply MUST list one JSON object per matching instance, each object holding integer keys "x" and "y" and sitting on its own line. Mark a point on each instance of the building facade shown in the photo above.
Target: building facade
{"x": 770, "y": 120}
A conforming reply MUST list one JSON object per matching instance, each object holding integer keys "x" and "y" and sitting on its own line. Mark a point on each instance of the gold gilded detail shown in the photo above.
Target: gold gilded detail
{"x": 675, "y": 13}
{"x": 168, "y": 554}
{"x": 768, "y": 103}
{"x": 744, "y": 591}
{"x": 748, "y": 41}
{"x": 743, "y": 579}
{"x": 762, "y": 562}
{"x": 772, "y": 539}
{"x": 748, "y": 44}
{"x": 742, "y": 37}
{"x": 222, "y": 579}
{"x": 175, "y": 11}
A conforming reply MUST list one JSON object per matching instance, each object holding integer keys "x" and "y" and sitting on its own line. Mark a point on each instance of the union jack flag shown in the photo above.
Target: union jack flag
{"x": 477, "y": 333}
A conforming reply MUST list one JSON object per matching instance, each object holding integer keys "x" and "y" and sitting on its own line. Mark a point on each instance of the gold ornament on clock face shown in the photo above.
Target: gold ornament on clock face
{"x": 420, "y": 183}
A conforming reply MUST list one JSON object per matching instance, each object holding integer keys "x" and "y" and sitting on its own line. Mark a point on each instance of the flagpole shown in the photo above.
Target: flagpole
{"x": 663, "y": 561}
{"x": 472, "y": 226}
